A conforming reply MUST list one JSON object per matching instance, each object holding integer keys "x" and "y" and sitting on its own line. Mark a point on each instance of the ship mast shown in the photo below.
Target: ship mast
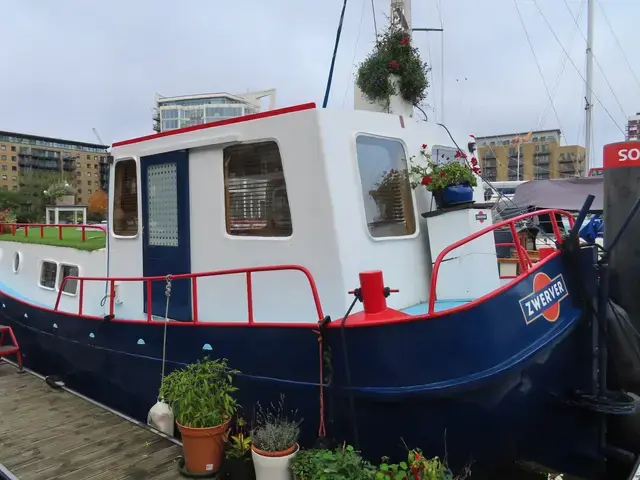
{"x": 589, "y": 81}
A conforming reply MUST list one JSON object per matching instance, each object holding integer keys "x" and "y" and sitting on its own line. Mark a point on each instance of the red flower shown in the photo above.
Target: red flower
{"x": 394, "y": 64}
{"x": 474, "y": 161}
{"x": 442, "y": 174}
{"x": 404, "y": 40}
{"x": 426, "y": 181}
{"x": 476, "y": 170}
{"x": 424, "y": 146}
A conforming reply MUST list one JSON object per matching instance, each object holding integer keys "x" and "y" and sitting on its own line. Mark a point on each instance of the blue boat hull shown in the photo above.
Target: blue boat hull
{"x": 482, "y": 385}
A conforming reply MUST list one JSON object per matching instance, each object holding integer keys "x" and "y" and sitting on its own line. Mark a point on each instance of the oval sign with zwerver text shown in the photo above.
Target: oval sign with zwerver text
{"x": 622, "y": 154}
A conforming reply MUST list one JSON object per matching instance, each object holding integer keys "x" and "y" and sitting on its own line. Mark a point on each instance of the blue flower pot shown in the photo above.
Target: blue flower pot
{"x": 453, "y": 195}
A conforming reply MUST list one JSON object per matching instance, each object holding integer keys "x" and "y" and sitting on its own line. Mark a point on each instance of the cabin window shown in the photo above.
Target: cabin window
{"x": 71, "y": 286}
{"x": 17, "y": 260}
{"x": 386, "y": 192}
{"x": 48, "y": 274}
{"x": 256, "y": 200}
{"x": 125, "y": 199}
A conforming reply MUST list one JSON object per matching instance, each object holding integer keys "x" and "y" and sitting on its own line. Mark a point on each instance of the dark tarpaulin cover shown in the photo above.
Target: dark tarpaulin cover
{"x": 561, "y": 193}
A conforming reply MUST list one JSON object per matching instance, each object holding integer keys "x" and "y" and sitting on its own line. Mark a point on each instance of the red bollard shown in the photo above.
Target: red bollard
{"x": 372, "y": 290}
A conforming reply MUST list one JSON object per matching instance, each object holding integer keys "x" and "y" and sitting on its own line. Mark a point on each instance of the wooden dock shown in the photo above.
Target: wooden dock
{"x": 48, "y": 434}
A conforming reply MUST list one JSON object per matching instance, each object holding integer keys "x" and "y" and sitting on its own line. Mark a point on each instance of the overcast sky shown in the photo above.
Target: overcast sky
{"x": 71, "y": 65}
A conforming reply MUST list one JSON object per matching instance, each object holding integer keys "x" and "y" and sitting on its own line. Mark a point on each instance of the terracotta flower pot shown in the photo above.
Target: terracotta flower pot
{"x": 203, "y": 447}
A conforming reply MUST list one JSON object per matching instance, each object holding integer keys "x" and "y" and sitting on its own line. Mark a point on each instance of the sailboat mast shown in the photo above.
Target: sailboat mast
{"x": 589, "y": 105}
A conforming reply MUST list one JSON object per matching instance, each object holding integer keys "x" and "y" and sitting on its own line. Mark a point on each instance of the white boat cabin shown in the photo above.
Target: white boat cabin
{"x": 295, "y": 186}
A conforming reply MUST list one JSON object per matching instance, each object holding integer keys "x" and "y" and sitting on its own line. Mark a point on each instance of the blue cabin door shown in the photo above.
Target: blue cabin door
{"x": 166, "y": 244}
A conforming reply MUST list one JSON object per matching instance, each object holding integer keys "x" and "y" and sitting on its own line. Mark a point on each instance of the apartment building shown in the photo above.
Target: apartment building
{"x": 535, "y": 155}
{"x": 85, "y": 163}
{"x": 633, "y": 128}
{"x": 189, "y": 110}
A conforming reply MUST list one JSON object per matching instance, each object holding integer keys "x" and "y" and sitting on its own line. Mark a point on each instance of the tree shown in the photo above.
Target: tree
{"x": 32, "y": 187}
{"x": 98, "y": 204}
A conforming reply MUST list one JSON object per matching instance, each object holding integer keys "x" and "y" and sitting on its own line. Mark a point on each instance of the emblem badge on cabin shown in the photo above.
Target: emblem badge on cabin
{"x": 481, "y": 216}
{"x": 545, "y": 300}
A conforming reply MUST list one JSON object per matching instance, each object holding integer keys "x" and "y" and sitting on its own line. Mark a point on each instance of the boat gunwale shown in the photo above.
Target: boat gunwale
{"x": 393, "y": 316}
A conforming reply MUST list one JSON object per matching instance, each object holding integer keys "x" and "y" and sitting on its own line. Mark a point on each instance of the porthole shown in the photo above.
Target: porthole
{"x": 48, "y": 274}
{"x": 17, "y": 262}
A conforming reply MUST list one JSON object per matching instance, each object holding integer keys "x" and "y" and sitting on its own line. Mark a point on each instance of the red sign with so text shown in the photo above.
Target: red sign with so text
{"x": 622, "y": 154}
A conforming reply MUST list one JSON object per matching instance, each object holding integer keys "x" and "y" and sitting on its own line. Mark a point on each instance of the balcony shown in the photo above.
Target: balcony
{"x": 37, "y": 164}
{"x": 69, "y": 164}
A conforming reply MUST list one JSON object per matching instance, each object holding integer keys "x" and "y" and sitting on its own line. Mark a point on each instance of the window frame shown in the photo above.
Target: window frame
{"x": 112, "y": 200}
{"x": 362, "y": 207}
{"x": 19, "y": 256}
{"x": 224, "y": 194}
{"x": 55, "y": 281}
{"x": 59, "y": 278}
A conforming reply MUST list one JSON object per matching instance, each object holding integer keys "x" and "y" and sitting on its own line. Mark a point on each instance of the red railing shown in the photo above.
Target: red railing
{"x": 194, "y": 287}
{"x": 42, "y": 226}
{"x": 523, "y": 258}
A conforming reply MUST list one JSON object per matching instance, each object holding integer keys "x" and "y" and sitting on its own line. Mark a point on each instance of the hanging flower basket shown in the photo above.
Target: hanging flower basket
{"x": 393, "y": 68}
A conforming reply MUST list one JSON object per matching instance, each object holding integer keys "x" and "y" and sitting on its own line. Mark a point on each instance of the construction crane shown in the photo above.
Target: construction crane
{"x": 95, "y": 132}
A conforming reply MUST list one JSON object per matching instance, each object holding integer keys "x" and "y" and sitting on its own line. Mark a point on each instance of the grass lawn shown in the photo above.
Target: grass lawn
{"x": 71, "y": 237}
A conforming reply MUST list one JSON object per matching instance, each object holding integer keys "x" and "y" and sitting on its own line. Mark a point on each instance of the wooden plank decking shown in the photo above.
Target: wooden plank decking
{"x": 48, "y": 434}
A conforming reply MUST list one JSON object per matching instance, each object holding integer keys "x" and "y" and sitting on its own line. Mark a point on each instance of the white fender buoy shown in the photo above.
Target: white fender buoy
{"x": 160, "y": 417}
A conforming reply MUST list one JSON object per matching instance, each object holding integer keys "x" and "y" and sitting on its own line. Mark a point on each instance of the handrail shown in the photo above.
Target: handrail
{"x": 59, "y": 226}
{"x": 523, "y": 259}
{"x": 194, "y": 287}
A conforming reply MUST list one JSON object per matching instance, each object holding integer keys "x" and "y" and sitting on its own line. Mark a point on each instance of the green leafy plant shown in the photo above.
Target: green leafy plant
{"x": 341, "y": 464}
{"x": 418, "y": 467}
{"x": 59, "y": 189}
{"x": 239, "y": 445}
{"x": 423, "y": 171}
{"x": 200, "y": 394}
{"x": 393, "y": 55}
{"x": 275, "y": 431}
{"x": 7, "y": 216}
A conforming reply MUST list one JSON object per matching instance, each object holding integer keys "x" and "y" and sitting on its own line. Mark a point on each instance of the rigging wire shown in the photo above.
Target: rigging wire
{"x": 541, "y": 119}
{"x": 626, "y": 60}
{"x": 333, "y": 58}
{"x": 355, "y": 51}
{"x": 375, "y": 22}
{"x": 563, "y": 65}
{"x": 615, "y": 97}
{"x": 535, "y": 57}
{"x": 544, "y": 17}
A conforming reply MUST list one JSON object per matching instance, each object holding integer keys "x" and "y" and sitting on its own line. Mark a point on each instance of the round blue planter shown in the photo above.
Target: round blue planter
{"x": 453, "y": 195}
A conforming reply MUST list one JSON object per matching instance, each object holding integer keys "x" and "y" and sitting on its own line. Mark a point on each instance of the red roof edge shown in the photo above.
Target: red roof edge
{"x": 230, "y": 121}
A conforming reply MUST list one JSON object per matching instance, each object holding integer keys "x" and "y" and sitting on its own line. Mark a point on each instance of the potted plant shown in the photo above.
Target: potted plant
{"x": 450, "y": 182}
{"x": 62, "y": 193}
{"x": 274, "y": 442}
{"x": 418, "y": 467}
{"x": 200, "y": 396}
{"x": 343, "y": 463}
{"x": 237, "y": 462}
{"x": 393, "y": 68}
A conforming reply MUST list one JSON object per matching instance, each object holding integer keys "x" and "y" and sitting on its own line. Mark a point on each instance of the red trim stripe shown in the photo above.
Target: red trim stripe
{"x": 230, "y": 121}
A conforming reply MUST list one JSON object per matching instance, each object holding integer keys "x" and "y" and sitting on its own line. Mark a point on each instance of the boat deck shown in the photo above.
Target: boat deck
{"x": 441, "y": 305}
{"x": 53, "y": 434}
